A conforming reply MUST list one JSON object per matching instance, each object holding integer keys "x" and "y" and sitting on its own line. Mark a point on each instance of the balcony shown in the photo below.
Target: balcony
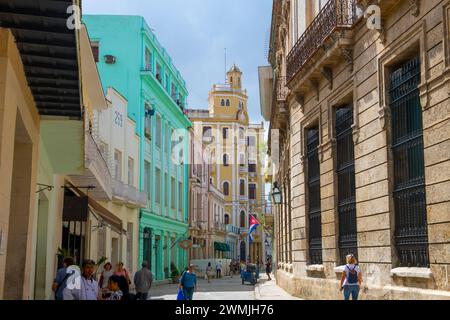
{"x": 243, "y": 169}
{"x": 243, "y": 198}
{"x": 232, "y": 229}
{"x": 128, "y": 195}
{"x": 219, "y": 226}
{"x": 329, "y": 26}
{"x": 96, "y": 171}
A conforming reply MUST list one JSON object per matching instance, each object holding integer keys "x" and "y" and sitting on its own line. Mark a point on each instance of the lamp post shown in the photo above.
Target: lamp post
{"x": 276, "y": 194}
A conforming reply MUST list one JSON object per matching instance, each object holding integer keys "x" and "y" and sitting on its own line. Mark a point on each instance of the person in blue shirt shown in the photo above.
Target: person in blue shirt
{"x": 60, "y": 281}
{"x": 188, "y": 283}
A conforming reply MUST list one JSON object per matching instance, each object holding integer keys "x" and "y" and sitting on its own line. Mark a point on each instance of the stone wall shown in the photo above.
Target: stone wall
{"x": 364, "y": 85}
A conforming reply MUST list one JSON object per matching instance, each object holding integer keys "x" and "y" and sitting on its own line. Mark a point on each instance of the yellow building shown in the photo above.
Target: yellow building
{"x": 237, "y": 163}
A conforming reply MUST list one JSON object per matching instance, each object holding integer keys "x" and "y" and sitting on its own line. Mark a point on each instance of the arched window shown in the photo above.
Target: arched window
{"x": 227, "y": 218}
{"x": 228, "y": 102}
{"x": 226, "y": 188}
{"x": 222, "y": 103}
{"x": 225, "y": 160}
{"x": 242, "y": 219}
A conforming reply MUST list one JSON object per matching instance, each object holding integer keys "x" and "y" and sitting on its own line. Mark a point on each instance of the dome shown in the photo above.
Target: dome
{"x": 234, "y": 68}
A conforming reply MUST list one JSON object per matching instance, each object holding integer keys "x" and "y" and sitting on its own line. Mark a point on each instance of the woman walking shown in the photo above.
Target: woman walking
{"x": 209, "y": 271}
{"x": 104, "y": 279}
{"x": 351, "y": 278}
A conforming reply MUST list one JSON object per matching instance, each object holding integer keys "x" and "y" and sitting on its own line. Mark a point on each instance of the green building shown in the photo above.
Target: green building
{"x": 130, "y": 59}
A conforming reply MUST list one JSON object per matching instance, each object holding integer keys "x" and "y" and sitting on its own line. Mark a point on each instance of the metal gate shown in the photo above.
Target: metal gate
{"x": 346, "y": 183}
{"x": 314, "y": 209}
{"x": 408, "y": 160}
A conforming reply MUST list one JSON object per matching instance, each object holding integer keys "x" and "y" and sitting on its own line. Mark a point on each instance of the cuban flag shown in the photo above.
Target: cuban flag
{"x": 253, "y": 225}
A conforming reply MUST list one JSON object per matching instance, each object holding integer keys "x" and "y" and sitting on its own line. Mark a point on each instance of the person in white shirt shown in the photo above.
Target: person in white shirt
{"x": 218, "y": 270}
{"x": 351, "y": 278}
{"x": 84, "y": 289}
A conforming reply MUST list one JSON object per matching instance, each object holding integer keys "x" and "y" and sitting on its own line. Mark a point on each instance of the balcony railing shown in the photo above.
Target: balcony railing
{"x": 128, "y": 194}
{"x": 219, "y": 226}
{"x": 336, "y": 15}
{"x": 232, "y": 229}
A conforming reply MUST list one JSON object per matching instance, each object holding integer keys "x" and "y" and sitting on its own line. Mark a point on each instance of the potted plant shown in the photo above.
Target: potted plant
{"x": 175, "y": 274}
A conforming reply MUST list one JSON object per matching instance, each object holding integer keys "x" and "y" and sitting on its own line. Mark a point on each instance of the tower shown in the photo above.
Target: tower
{"x": 234, "y": 76}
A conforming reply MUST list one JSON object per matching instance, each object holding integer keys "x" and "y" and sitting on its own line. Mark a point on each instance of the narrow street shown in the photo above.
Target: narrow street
{"x": 226, "y": 288}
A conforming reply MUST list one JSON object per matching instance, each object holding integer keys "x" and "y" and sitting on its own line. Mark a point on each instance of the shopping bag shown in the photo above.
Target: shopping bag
{"x": 180, "y": 295}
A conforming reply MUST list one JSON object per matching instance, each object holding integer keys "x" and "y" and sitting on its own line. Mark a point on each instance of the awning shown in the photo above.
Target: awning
{"x": 106, "y": 215}
{"x": 220, "y": 246}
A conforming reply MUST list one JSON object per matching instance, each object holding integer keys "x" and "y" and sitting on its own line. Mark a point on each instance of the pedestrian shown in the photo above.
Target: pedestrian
{"x": 114, "y": 288}
{"x": 188, "y": 283}
{"x": 61, "y": 277}
{"x": 122, "y": 272}
{"x": 209, "y": 272}
{"x": 268, "y": 269}
{"x": 143, "y": 282}
{"x": 218, "y": 269}
{"x": 103, "y": 282}
{"x": 88, "y": 288}
{"x": 351, "y": 278}
{"x": 232, "y": 267}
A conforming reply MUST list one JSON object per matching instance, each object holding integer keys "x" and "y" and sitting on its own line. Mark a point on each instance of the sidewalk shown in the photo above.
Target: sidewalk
{"x": 268, "y": 290}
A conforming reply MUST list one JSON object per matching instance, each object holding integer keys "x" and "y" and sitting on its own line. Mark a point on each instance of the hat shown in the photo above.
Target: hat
{"x": 191, "y": 265}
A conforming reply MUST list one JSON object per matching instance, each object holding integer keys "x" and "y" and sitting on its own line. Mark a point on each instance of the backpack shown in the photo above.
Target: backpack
{"x": 352, "y": 275}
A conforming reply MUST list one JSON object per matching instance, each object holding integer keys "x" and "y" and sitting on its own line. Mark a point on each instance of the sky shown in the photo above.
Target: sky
{"x": 195, "y": 33}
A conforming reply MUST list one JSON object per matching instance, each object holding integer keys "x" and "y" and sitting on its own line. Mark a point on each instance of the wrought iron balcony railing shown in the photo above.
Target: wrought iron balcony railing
{"x": 232, "y": 229}
{"x": 336, "y": 15}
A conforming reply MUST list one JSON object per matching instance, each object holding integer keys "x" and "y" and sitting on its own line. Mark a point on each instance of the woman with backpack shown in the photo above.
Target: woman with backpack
{"x": 351, "y": 279}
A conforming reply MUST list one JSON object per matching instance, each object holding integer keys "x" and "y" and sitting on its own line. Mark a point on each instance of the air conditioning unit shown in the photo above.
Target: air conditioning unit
{"x": 109, "y": 59}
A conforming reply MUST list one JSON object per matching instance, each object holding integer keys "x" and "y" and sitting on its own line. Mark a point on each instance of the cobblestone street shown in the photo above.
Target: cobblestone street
{"x": 226, "y": 288}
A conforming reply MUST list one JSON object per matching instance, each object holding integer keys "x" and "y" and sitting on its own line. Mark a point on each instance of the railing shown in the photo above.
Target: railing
{"x": 129, "y": 194}
{"x": 232, "y": 229}
{"x": 337, "y": 14}
{"x": 219, "y": 226}
{"x": 94, "y": 156}
{"x": 281, "y": 89}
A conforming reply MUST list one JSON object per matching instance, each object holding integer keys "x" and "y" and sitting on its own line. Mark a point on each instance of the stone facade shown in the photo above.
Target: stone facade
{"x": 354, "y": 67}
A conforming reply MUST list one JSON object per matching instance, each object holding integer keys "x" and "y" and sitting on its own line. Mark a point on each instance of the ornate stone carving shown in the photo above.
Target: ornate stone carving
{"x": 328, "y": 74}
{"x": 415, "y": 7}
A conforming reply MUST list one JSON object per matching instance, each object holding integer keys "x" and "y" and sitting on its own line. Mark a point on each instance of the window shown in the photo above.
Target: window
{"x": 251, "y": 141}
{"x": 252, "y": 191}
{"x": 226, "y": 161}
{"x": 226, "y": 188}
{"x": 166, "y": 190}
{"x": 411, "y": 229}
{"x": 147, "y": 179}
{"x": 242, "y": 187}
{"x": 180, "y": 196}
{"x": 241, "y": 133}
{"x": 158, "y": 73}
{"x": 158, "y": 131}
{"x": 157, "y": 185}
{"x": 95, "y": 50}
{"x": 242, "y": 160}
{"x": 148, "y": 121}
{"x": 252, "y": 166}
{"x": 346, "y": 183}
{"x": 242, "y": 219}
{"x": 148, "y": 60}
{"x": 117, "y": 165}
{"x": 224, "y": 133}
{"x": 173, "y": 190}
{"x": 130, "y": 171}
{"x": 222, "y": 103}
{"x": 226, "y": 218}
{"x": 207, "y": 132}
{"x": 314, "y": 209}
{"x": 174, "y": 91}
{"x": 228, "y": 102}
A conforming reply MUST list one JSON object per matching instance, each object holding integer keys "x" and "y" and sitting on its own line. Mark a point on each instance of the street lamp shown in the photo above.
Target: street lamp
{"x": 276, "y": 194}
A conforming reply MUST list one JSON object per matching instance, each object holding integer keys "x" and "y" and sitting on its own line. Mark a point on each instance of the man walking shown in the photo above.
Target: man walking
{"x": 188, "y": 283}
{"x": 86, "y": 287}
{"x": 61, "y": 278}
{"x": 143, "y": 282}
{"x": 218, "y": 269}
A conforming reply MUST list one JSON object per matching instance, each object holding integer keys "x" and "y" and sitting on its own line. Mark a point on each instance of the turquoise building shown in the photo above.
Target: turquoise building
{"x": 131, "y": 60}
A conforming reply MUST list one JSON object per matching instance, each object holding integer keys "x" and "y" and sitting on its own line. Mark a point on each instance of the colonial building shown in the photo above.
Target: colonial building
{"x": 131, "y": 60}
{"x": 236, "y": 169}
{"x": 362, "y": 110}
